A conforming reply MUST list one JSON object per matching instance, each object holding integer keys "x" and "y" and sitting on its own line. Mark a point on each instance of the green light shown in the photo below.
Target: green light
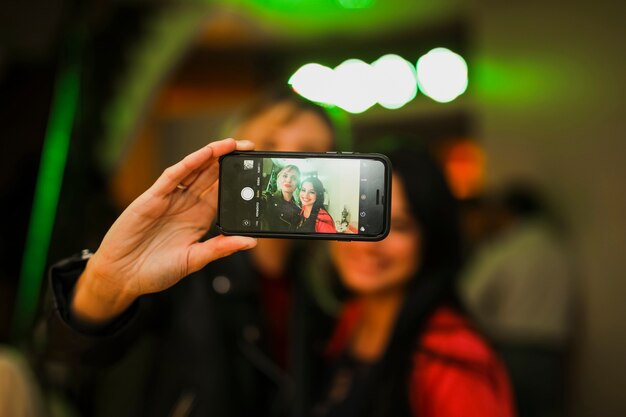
{"x": 47, "y": 190}
{"x": 356, "y": 4}
{"x": 442, "y": 75}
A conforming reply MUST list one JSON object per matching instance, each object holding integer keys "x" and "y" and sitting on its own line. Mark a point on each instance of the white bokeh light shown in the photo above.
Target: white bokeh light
{"x": 313, "y": 82}
{"x": 442, "y": 75}
{"x": 353, "y": 86}
{"x": 396, "y": 84}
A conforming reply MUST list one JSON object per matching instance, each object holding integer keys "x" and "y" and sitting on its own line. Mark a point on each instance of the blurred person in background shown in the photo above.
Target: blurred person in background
{"x": 235, "y": 338}
{"x": 20, "y": 395}
{"x": 402, "y": 345}
{"x": 519, "y": 287}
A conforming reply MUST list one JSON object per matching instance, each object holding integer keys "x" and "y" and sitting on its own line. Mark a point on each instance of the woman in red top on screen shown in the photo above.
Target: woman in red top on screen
{"x": 403, "y": 346}
{"x": 313, "y": 216}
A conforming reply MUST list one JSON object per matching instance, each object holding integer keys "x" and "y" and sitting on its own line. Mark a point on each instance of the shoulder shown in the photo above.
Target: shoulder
{"x": 323, "y": 214}
{"x": 454, "y": 361}
{"x": 449, "y": 334}
{"x": 324, "y": 222}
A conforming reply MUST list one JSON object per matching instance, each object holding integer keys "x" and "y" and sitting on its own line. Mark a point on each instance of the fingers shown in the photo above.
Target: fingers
{"x": 207, "y": 175}
{"x": 176, "y": 174}
{"x": 245, "y": 145}
{"x": 201, "y": 253}
{"x": 205, "y": 178}
{"x": 186, "y": 172}
{"x": 210, "y": 196}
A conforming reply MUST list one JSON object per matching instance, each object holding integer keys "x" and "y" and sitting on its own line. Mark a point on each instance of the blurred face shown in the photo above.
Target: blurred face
{"x": 286, "y": 128}
{"x": 308, "y": 195}
{"x": 388, "y": 265}
{"x": 287, "y": 180}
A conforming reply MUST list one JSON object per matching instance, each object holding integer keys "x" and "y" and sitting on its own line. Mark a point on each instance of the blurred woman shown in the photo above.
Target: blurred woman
{"x": 313, "y": 216}
{"x": 402, "y": 346}
{"x": 281, "y": 211}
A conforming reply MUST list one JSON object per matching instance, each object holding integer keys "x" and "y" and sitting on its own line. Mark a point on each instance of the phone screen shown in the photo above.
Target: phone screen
{"x": 304, "y": 195}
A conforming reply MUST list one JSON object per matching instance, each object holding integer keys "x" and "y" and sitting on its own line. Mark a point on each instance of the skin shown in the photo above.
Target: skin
{"x": 287, "y": 182}
{"x": 378, "y": 273}
{"x": 154, "y": 243}
{"x": 308, "y": 196}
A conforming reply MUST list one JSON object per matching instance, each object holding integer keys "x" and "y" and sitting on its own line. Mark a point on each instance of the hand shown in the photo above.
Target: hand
{"x": 155, "y": 241}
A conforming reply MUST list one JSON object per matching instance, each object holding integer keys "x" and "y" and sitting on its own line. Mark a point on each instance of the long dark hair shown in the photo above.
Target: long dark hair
{"x": 309, "y": 224}
{"x": 383, "y": 392}
{"x": 319, "y": 192}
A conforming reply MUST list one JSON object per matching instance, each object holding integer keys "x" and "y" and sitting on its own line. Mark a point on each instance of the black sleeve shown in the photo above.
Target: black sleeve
{"x": 74, "y": 343}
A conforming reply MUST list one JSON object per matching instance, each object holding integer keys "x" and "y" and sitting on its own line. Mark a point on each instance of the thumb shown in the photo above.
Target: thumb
{"x": 202, "y": 253}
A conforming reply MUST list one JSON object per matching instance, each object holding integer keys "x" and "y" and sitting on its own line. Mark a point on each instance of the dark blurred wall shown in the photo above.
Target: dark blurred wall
{"x": 28, "y": 59}
{"x": 37, "y": 40}
{"x": 555, "y": 115}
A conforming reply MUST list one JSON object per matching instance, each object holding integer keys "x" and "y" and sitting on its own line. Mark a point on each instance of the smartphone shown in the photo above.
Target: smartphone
{"x": 334, "y": 196}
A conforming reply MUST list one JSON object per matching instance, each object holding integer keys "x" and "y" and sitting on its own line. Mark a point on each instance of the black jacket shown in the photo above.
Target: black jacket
{"x": 197, "y": 349}
{"x": 279, "y": 215}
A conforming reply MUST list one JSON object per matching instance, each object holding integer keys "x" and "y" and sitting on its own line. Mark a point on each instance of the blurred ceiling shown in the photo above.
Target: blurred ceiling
{"x": 156, "y": 37}
{"x": 30, "y": 29}
{"x": 305, "y": 19}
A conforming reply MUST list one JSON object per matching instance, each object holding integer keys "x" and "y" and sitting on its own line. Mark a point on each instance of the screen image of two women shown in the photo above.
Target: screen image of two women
{"x": 297, "y": 204}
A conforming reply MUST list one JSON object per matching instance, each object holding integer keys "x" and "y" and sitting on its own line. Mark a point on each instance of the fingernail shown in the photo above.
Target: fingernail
{"x": 251, "y": 243}
{"x": 245, "y": 142}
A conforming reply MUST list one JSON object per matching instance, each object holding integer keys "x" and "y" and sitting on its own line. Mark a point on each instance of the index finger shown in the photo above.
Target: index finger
{"x": 225, "y": 146}
{"x": 175, "y": 174}
{"x": 207, "y": 173}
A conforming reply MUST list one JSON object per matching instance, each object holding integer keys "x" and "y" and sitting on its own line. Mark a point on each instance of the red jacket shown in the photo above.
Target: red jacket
{"x": 324, "y": 222}
{"x": 439, "y": 386}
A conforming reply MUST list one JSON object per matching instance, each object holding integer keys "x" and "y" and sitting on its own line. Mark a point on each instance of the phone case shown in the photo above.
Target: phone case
{"x": 317, "y": 236}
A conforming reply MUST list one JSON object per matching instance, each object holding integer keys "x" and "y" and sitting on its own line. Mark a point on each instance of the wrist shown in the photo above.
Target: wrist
{"x": 96, "y": 300}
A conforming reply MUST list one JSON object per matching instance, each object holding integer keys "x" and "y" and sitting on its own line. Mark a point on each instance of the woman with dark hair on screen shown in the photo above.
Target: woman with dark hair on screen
{"x": 402, "y": 345}
{"x": 313, "y": 216}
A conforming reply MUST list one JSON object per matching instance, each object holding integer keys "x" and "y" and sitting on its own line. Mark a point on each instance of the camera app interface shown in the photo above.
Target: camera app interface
{"x": 302, "y": 195}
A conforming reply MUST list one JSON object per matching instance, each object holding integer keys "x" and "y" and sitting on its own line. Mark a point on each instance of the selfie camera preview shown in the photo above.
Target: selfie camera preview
{"x": 321, "y": 196}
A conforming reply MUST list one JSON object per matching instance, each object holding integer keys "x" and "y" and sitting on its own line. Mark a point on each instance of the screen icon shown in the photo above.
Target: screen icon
{"x": 245, "y": 222}
{"x": 248, "y": 164}
{"x": 362, "y": 214}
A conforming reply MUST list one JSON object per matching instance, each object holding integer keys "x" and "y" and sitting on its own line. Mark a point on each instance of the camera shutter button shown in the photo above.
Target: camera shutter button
{"x": 247, "y": 193}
